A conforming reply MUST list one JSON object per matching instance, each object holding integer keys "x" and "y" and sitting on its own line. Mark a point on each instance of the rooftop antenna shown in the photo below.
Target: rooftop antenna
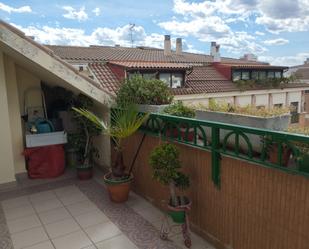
{"x": 132, "y": 25}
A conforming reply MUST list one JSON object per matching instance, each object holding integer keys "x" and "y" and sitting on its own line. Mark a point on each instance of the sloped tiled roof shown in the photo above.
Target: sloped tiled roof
{"x": 205, "y": 79}
{"x": 107, "y": 79}
{"x": 152, "y": 65}
{"x": 108, "y": 53}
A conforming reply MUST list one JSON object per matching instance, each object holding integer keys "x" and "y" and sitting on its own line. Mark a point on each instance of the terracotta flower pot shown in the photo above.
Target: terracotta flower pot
{"x": 84, "y": 173}
{"x": 118, "y": 189}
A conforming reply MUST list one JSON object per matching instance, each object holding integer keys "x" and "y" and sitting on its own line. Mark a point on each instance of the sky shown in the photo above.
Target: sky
{"x": 277, "y": 31}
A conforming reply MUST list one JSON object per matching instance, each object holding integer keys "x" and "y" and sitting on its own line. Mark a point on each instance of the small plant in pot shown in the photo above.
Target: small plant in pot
{"x": 180, "y": 110}
{"x": 166, "y": 166}
{"x": 82, "y": 140}
{"x": 124, "y": 123}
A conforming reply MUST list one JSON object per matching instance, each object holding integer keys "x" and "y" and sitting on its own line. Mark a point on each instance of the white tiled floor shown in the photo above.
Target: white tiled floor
{"x": 61, "y": 219}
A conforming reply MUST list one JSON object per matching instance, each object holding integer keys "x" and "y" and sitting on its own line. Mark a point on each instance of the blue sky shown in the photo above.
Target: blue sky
{"x": 276, "y": 31}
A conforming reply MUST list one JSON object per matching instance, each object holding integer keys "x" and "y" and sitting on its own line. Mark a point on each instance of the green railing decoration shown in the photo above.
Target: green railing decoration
{"x": 233, "y": 141}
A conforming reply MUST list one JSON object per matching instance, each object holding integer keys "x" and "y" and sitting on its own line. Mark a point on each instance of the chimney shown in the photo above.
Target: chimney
{"x": 178, "y": 46}
{"x": 213, "y": 48}
{"x": 167, "y": 45}
{"x": 249, "y": 57}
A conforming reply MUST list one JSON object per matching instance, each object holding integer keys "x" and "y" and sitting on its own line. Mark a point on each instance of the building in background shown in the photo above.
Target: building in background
{"x": 193, "y": 78}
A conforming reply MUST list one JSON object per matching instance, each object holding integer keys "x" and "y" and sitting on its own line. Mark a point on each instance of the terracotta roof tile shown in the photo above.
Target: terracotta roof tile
{"x": 107, "y": 79}
{"x": 152, "y": 65}
{"x": 108, "y": 53}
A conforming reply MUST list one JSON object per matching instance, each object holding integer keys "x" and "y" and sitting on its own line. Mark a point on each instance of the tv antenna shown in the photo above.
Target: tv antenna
{"x": 132, "y": 25}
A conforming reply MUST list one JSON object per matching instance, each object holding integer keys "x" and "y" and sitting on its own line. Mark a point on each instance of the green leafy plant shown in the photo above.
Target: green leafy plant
{"x": 143, "y": 91}
{"x": 82, "y": 140}
{"x": 124, "y": 122}
{"x": 179, "y": 109}
{"x": 165, "y": 163}
{"x": 267, "y": 82}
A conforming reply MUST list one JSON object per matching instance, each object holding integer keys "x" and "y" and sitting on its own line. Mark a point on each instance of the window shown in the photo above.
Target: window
{"x": 254, "y": 75}
{"x": 177, "y": 79}
{"x": 271, "y": 75}
{"x": 236, "y": 75}
{"x": 173, "y": 80}
{"x": 245, "y": 75}
{"x": 262, "y": 75}
{"x": 278, "y": 75}
{"x": 294, "y": 112}
{"x": 149, "y": 76}
{"x": 166, "y": 78}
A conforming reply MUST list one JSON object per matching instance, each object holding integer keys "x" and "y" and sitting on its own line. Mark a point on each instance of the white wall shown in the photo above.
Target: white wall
{"x": 279, "y": 98}
{"x": 7, "y": 171}
{"x": 243, "y": 100}
{"x": 15, "y": 115}
{"x": 261, "y": 100}
{"x": 295, "y": 97}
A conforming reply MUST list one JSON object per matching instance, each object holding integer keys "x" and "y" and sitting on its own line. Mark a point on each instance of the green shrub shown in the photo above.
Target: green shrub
{"x": 165, "y": 163}
{"x": 244, "y": 110}
{"x": 144, "y": 91}
{"x": 179, "y": 109}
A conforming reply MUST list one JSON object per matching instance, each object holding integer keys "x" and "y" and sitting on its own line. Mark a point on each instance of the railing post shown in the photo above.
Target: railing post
{"x": 215, "y": 155}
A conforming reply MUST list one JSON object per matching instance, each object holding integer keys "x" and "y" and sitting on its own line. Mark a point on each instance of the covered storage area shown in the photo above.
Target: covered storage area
{"x": 28, "y": 74}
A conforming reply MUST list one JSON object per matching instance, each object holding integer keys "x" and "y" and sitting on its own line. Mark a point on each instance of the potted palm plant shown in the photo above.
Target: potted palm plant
{"x": 165, "y": 163}
{"x": 124, "y": 122}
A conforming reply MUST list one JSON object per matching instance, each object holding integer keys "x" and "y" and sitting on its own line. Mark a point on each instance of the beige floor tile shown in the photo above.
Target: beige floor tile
{"x": 92, "y": 218}
{"x": 47, "y": 205}
{"x": 24, "y": 223}
{"x": 76, "y": 240}
{"x": 42, "y": 196}
{"x": 81, "y": 207}
{"x": 90, "y": 247}
{"x": 29, "y": 237}
{"x": 54, "y": 215}
{"x": 118, "y": 242}
{"x": 73, "y": 198}
{"x": 66, "y": 191}
{"x": 102, "y": 231}
{"x": 16, "y": 213}
{"x": 43, "y": 245}
{"x": 15, "y": 203}
{"x": 62, "y": 228}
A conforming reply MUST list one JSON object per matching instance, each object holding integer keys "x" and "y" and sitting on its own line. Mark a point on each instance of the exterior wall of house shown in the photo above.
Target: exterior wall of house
{"x": 7, "y": 170}
{"x": 259, "y": 98}
{"x": 15, "y": 115}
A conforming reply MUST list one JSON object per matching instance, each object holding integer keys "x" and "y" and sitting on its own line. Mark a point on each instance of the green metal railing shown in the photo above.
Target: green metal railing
{"x": 241, "y": 142}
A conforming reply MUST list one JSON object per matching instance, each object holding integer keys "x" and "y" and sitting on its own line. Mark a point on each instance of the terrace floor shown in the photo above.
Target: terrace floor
{"x": 65, "y": 213}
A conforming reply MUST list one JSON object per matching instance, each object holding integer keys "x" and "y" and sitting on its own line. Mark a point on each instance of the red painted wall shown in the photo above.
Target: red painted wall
{"x": 225, "y": 70}
{"x": 118, "y": 71}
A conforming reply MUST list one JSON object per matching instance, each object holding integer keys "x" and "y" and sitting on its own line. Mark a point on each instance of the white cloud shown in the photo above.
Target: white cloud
{"x": 9, "y": 9}
{"x": 278, "y": 41}
{"x": 297, "y": 59}
{"x": 97, "y": 11}
{"x": 99, "y": 36}
{"x": 72, "y": 13}
{"x": 259, "y": 33}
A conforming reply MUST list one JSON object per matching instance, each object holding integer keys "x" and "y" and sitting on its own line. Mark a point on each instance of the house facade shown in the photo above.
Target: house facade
{"x": 193, "y": 78}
